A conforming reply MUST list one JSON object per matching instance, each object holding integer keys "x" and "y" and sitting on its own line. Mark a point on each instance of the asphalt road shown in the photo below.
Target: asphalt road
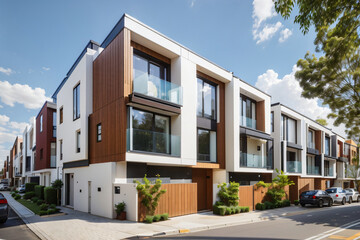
{"x": 337, "y": 222}
{"x": 14, "y": 228}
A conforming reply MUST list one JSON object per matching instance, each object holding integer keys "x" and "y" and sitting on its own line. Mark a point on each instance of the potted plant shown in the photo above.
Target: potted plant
{"x": 120, "y": 211}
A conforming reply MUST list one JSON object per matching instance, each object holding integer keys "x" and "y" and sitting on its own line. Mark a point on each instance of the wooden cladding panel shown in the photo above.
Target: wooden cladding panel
{"x": 320, "y": 183}
{"x": 246, "y": 196}
{"x": 220, "y": 133}
{"x": 112, "y": 83}
{"x": 260, "y": 116}
{"x": 318, "y": 142}
{"x": 150, "y": 52}
{"x": 179, "y": 199}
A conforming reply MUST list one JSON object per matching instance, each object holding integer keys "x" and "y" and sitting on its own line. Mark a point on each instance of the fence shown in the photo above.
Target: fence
{"x": 179, "y": 199}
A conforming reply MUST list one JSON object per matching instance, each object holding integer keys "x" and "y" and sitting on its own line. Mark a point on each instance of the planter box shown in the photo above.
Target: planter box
{"x": 121, "y": 216}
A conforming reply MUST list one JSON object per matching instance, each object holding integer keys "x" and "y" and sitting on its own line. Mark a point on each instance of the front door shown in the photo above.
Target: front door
{"x": 203, "y": 178}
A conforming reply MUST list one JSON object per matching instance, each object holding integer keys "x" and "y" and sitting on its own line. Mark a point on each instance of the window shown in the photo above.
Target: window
{"x": 206, "y": 145}
{"x": 41, "y": 154}
{"x": 346, "y": 149}
{"x": 78, "y": 141}
{"x": 53, "y": 155}
{"x": 98, "y": 133}
{"x": 61, "y": 115}
{"x": 247, "y": 112}
{"x": 54, "y": 124}
{"x": 76, "y": 102}
{"x": 327, "y": 145}
{"x": 151, "y": 132}
{"x": 272, "y": 121}
{"x": 310, "y": 139}
{"x": 206, "y": 103}
{"x": 61, "y": 149}
{"x": 41, "y": 123}
{"x": 288, "y": 129}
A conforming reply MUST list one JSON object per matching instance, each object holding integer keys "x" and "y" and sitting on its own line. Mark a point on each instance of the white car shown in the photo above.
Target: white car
{"x": 338, "y": 195}
{"x": 4, "y": 187}
{"x": 353, "y": 194}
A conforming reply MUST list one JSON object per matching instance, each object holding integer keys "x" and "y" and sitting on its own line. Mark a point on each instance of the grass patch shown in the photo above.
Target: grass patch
{"x": 30, "y": 205}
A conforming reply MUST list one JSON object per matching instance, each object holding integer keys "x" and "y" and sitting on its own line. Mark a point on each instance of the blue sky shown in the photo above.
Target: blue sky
{"x": 40, "y": 40}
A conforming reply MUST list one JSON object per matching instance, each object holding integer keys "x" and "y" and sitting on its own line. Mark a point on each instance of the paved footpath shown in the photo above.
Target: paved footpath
{"x": 79, "y": 225}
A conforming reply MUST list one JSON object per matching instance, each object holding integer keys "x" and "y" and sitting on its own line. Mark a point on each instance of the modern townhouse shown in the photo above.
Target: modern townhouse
{"x": 29, "y": 152}
{"x": 16, "y": 162}
{"x": 45, "y": 170}
{"x": 303, "y": 149}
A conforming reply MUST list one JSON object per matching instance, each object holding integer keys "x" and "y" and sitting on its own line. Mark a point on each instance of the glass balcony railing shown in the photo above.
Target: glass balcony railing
{"x": 247, "y": 122}
{"x": 311, "y": 145}
{"x": 313, "y": 170}
{"x": 329, "y": 172}
{"x": 155, "y": 87}
{"x": 293, "y": 166}
{"x": 153, "y": 142}
{"x": 53, "y": 161}
{"x": 252, "y": 160}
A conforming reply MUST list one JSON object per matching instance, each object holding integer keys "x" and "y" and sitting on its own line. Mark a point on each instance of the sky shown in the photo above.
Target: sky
{"x": 40, "y": 40}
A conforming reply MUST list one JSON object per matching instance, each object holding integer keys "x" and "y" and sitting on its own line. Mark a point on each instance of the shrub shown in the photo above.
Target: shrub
{"x": 157, "y": 218}
{"x": 50, "y": 195}
{"x": 53, "y": 206}
{"x": 13, "y": 194}
{"x": 16, "y": 191}
{"x": 120, "y": 207}
{"x": 229, "y": 193}
{"x": 39, "y": 191}
{"x": 260, "y": 206}
{"x": 237, "y": 209}
{"x": 39, "y": 202}
{"x": 34, "y": 199}
{"x": 296, "y": 202}
{"x": 43, "y": 212}
{"x": 269, "y": 205}
{"x": 149, "y": 219}
{"x": 30, "y": 187}
{"x": 246, "y": 209}
{"x": 286, "y": 203}
{"x": 17, "y": 197}
{"x": 44, "y": 207}
{"x": 216, "y": 209}
{"x": 278, "y": 204}
{"x": 219, "y": 203}
{"x": 164, "y": 217}
{"x": 29, "y": 195}
{"x": 51, "y": 211}
{"x": 222, "y": 210}
{"x": 228, "y": 211}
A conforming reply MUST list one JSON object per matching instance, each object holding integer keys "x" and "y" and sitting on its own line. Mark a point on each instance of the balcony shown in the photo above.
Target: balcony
{"x": 329, "y": 172}
{"x": 153, "y": 142}
{"x": 253, "y": 161}
{"x": 155, "y": 87}
{"x": 313, "y": 170}
{"x": 293, "y": 166}
{"x": 247, "y": 122}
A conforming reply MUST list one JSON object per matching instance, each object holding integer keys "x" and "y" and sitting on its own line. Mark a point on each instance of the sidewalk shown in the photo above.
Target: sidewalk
{"x": 79, "y": 225}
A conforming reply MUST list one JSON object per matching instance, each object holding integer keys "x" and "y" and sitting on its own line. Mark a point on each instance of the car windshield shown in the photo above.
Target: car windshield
{"x": 310, "y": 193}
{"x": 331, "y": 190}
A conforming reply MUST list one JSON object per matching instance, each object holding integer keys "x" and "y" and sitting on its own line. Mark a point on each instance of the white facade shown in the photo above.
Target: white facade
{"x": 29, "y": 143}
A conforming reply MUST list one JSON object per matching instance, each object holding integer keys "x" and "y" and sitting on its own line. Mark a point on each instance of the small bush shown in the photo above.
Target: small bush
{"x": 246, "y": 209}
{"x": 229, "y": 211}
{"x": 34, "y": 199}
{"x": 44, "y": 207}
{"x": 17, "y": 197}
{"x": 219, "y": 203}
{"x": 53, "y": 206}
{"x": 296, "y": 202}
{"x": 216, "y": 209}
{"x": 149, "y": 219}
{"x": 39, "y": 191}
{"x": 164, "y": 217}
{"x": 222, "y": 210}
{"x": 29, "y": 195}
{"x": 51, "y": 211}
{"x": 278, "y": 204}
{"x": 43, "y": 212}
{"x": 286, "y": 203}
{"x": 16, "y": 191}
{"x": 50, "y": 195}
{"x": 157, "y": 218}
{"x": 260, "y": 206}
{"x": 13, "y": 194}
{"x": 30, "y": 187}
{"x": 269, "y": 205}
{"x": 39, "y": 202}
{"x": 237, "y": 209}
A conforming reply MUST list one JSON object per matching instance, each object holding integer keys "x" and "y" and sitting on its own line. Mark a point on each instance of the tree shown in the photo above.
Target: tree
{"x": 322, "y": 121}
{"x": 57, "y": 184}
{"x": 334, "y": 77}
{"x": 353, "y": 171}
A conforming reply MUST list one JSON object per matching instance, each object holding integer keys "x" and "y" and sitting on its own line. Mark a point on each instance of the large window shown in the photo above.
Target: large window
{"x": 54, "y": 124}
{"x": 206, "y": 145}
{"x": 206, "y": 103}
{"x": 310, "y": 139}
{"x": 327, "y": 146}
{"x": 247, "y": 112}
{"x": 53, "y": 155}
{"x": 150, "y": 132}
{"x": 312, "y": 166}
{"x": 41, "y": 123}
{"x": 288, "y": 129}
{"x": 76, "y": 102}
{"x": 292, "y": 163}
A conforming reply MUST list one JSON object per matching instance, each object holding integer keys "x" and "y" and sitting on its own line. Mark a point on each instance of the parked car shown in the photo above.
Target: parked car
{"x": 4, "y": 209}
{"x": 4, "y": 187}
{"x": 315, "y": 197}
{"x": 339, "y": 195}
{"x": 21, "y": 189}
{"x": 353, "y": 194}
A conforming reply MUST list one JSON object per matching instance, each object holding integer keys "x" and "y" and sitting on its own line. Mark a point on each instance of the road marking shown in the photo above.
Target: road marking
{"x": 334, "y": 231}
{"x": 184, "y": 230}
{"x": 337, "y": 237}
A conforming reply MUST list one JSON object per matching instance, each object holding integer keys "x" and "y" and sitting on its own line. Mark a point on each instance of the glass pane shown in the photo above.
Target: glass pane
{"x": 162, "y": 134}
{"x": 248, "y": 108}
{"x": 203, "y": 145}
{"x": 155, "y": 83}
{"x": 291, "y": 130}
{"x": 78, "y": 101}
{"x": 199, "y": 97}
{"x": 213, "y": 103}
{"x": 207, "y": 91}
{"x": 142, "y": 120}
{"x": 140, "y": 67}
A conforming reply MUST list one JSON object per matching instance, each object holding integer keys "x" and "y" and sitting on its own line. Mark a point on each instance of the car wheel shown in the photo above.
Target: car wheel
{"x": 350, "y": 200}
{"x": 3, "y": 220}
{"x": 302, "y": 204}
{"x": 343, "y": 201}
{"x": 330, "y": 203}
{"x": 321, "y": 203}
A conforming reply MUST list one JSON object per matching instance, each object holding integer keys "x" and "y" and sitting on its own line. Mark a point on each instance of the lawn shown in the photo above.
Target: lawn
{"x": 30, "y": 205}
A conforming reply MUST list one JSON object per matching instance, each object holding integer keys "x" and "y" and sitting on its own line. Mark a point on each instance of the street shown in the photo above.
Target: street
{"x": 337, "y": 222}
{"x": 14, "y": 228}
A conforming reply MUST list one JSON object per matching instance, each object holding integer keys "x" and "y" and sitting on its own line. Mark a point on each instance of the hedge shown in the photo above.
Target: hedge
{"x": 30, "y": 187}
{"x": 50, "y": 195}
{"x": 29, "y": 195}
{"x": 39, "y": 191}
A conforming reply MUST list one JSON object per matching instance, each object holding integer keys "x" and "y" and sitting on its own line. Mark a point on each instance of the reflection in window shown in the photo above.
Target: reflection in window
{"x": 206, "y": 95}
{"x": 206, "y": 145}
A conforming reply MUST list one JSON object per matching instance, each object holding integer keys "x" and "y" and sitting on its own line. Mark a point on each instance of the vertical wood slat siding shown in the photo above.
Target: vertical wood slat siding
{"x": 246, "y": 196}
{"x": 112, "y": 83}
{"x": 179, "y": 199}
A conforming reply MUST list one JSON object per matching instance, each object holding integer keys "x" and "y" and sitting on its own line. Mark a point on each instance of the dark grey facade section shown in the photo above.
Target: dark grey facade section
{"x": 333, "y": 146}
{"x": 255, "y": 133}
{"x": 294, "y": 146}
{"x": 81, "y": 163}
{"x": 312, "y": 151}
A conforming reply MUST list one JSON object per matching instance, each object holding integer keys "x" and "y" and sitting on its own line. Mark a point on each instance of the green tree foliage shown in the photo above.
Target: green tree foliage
{"x": 335, "y": 76}
{"x": 229, "y": 194}
{"x": 353, "y": 171}
{"x": 150, "y": 194}
{"x": 57, "y": 184}
{"x": 322, "y": 121}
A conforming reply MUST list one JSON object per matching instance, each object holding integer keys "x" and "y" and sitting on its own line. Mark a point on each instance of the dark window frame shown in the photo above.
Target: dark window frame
{"x": 244, "y": 97}
{"x": 204, "y": 80}
{"x": 61, "y": 115}
{"x": 286, "y": 117}
{"x": 272, "y": 121}
{"x": 78, "y": 134}
{"x": 76, "y": 108}
{"x": 61, "y": 149}
{"x": 97, "y": 132}
{"x": 329, "y": 145}
{"x": 197, "y": 145}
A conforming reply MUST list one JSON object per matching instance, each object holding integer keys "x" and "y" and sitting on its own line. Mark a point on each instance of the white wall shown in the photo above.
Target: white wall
{"x": 129, "y": 195}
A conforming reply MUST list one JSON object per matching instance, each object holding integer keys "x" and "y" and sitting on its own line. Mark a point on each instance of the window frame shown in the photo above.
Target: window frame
{"x": 204, "y": 80}
{"x": 76, "y": 108}
{"x": 78, "y": 135}
{"x": 197, "y": 145}
{"x": 285, "y": 127}
{"x": 97, "y": 132}
{"x": 252, "y": 101}
{"x": 61, "y": 149}
{"x": 272, "y": 121}
{"x": 61, "y": 115}
{"x": 41, "y": 123}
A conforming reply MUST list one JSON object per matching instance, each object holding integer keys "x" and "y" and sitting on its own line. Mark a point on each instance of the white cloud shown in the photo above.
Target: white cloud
{"x": 22, "y": 94}
{"x": 192, "y": 3}
{"x": 285, "y": 34}
{"x": 266, "y": 33}
{"x": 46, "y": 68}
{"x": 4, "y": 119}
{"x": 263, "y": 10}
{"x": 6, "y": 71}
{"x": 1, "y": 106}
{"x": 20, "y": 126}
{"x": 287, "y": 90}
